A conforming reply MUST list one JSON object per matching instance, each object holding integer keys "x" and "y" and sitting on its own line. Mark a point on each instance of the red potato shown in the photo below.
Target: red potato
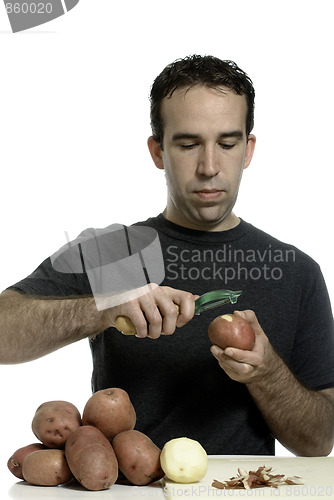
{"x": 15, "y": 462}
{"x": 138, "y": 457}
{"x": 54, "y": 421}
{"x": 111, "y": 411}
{"x": 46, "y": 468}
{"x": 230, "y": 330}
{"x": 91, "y": 458}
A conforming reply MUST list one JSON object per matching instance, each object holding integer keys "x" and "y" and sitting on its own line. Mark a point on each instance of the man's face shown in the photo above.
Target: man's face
{"x": 205, "y": 150}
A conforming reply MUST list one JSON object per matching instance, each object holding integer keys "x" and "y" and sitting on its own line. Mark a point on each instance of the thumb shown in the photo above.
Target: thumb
{"x": 251, "y": 318}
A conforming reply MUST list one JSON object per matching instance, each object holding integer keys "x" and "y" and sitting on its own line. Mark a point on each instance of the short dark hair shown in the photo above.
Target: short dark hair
{"x": 199, "y": 70}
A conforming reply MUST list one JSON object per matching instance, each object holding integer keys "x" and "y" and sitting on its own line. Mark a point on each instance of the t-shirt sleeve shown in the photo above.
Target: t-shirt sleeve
{"x": 313, "y": 353}
{"x": 45, "y": 281}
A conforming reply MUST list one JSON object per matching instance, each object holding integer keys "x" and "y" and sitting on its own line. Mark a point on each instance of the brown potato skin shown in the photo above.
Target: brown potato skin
{"x": 91, "y": 458}
{"x": 54, "y": 421}
{"x": 138, "y": 457}
{"x": 111, "y": 411}
{"x": 15, "y": 462}
{"x": 46, "y": 468}
{"x": 237, "y": 333}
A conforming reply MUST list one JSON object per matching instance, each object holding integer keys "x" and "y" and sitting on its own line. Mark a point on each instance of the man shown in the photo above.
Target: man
{"x": 231, "y": 401}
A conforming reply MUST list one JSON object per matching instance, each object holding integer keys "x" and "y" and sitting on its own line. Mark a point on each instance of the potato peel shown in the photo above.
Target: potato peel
{"x": 260, "y": 478}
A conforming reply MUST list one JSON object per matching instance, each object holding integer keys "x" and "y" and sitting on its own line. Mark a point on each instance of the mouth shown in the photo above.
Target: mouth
{"x": 209, "y": 194}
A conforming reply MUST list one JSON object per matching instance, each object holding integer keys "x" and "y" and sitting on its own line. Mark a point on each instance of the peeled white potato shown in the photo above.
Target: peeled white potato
{"x": 184, "y": 460}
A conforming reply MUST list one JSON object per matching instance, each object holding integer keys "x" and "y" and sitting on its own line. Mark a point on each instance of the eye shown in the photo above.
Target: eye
{"x": 223, "y": 145}
{"x": 188, "y": 146}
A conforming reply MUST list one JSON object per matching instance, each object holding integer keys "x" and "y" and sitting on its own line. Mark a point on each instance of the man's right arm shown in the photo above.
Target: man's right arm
{"x": 33, "y": 326}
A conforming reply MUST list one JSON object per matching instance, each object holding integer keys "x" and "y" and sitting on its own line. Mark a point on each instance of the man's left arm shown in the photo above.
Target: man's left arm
{"x": 300, "y": 418}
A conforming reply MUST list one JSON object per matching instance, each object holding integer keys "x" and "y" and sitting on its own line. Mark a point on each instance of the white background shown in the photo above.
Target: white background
{"x": 74, "y": 121}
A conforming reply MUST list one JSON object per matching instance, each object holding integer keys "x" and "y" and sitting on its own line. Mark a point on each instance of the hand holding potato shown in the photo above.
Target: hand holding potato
{"x": 244, "y": 365}
{"x": 230, "y": 330}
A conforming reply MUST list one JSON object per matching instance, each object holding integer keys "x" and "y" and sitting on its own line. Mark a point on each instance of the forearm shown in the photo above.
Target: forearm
{"x": 31, "y": 327}
{"x": 301, "y": 419}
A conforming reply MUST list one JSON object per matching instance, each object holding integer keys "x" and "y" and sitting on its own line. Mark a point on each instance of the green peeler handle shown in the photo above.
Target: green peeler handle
{"x": 216, "y": 298}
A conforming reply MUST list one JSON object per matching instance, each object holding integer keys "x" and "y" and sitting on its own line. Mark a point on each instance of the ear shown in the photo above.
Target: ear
{"x": 155, "y": 151}
{"x": 249, "y": 149}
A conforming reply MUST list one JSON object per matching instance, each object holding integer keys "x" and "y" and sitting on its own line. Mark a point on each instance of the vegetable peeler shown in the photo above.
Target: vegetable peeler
{"x": 216, "y": 298}
{"x": 208, "y": 300}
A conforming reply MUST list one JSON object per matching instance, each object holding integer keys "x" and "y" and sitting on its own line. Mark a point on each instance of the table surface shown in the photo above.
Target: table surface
{"x": 318, "y": 474}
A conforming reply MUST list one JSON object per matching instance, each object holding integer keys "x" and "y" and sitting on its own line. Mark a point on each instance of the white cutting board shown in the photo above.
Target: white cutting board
{"x": 318, "y": 474}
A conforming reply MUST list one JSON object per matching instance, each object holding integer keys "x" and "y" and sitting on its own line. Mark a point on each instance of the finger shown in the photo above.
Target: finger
{"x": 186, "y": 302}
{"x": 161, "y": 314}
{"x": 216, "y": 351}
{"x": 237, "y": 355}
{"x": 145, "y": 316}
{"x": 154, "y": 320}
{"x": 140, "y": 323}
{"x": 250, "y": 316}
{"x": 240, "y": 355}
{"x": 169, "y": 312}
{"x": 231, "y": 367}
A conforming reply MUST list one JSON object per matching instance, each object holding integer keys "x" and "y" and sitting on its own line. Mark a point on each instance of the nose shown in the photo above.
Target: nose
{"x": 208, "y": 163}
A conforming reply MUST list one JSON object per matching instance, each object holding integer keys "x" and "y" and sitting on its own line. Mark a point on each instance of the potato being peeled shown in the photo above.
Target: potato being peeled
{"x": 230, "y": 330}
{"x": 184, "y": 460}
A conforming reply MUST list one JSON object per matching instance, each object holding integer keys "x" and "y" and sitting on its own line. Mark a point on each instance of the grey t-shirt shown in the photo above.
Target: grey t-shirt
{"x": 175, "y": 384}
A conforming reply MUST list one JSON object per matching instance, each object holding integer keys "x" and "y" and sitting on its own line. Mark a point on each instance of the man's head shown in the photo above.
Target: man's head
{"x": 202, "y": 115}
{"x": 199, "y": 70}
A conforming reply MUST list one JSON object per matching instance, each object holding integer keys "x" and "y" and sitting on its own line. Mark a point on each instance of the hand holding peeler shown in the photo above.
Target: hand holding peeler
{"x": 208, "y": 300}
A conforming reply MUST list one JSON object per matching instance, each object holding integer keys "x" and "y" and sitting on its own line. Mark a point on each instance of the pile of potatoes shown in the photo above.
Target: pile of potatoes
{"x": 92, "y": 448}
